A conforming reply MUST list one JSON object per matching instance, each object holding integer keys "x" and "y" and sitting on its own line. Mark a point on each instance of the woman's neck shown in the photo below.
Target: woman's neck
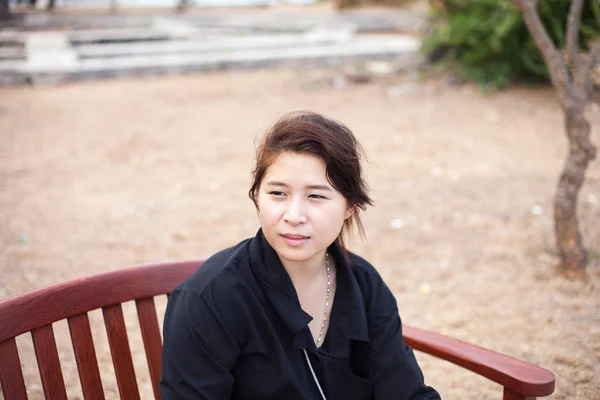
{"x": 306, "y": 271}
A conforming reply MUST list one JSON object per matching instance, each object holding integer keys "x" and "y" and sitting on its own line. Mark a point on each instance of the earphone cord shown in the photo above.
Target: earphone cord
{"x": 313, "y": 374}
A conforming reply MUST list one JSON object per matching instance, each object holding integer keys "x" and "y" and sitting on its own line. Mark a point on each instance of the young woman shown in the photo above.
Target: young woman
{"x": 290, "y": 313}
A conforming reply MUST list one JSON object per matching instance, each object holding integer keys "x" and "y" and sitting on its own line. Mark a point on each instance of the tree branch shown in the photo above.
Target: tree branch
{"x": 595, "y": 54}
{"x": 583, "y": 77}
{"x": 554, "y": 60}
{"x": 573, "y": 34}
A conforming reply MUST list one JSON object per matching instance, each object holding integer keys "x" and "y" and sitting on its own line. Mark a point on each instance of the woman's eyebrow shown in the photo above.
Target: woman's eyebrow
{"x": 318, "y": 187}
{"x": 313, "y": 187}
{"x": 276, "y": 183}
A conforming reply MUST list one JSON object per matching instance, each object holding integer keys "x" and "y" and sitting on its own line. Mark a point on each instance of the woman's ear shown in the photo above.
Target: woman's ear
{"x": 349, "y": 212}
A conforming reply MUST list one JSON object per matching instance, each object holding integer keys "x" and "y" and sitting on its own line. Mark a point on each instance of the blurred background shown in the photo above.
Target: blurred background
{"x": 128, "y": 130}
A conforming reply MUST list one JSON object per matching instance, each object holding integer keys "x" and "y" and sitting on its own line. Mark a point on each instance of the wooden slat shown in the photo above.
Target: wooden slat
{"x": 48, "y": 363}
{"x": 152, "y": 339}
{"x": 121, "y": 352}
{"x": 85, "y": 356}
{"x": 11, "y": 375}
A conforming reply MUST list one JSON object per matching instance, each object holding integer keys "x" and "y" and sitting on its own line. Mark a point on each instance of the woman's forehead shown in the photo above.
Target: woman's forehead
{"x": 297, "y": 169}
{"x": 297, "y": 162}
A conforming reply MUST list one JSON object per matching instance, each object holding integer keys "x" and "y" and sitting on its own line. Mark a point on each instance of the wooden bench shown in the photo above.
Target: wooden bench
{"x": 35, "y": 312}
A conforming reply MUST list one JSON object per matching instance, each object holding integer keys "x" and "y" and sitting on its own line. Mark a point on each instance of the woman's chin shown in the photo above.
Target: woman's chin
{"x": 294, "y": 254}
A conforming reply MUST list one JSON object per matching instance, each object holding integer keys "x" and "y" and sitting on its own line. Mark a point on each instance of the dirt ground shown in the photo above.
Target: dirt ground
{"x": 100, "y": 175}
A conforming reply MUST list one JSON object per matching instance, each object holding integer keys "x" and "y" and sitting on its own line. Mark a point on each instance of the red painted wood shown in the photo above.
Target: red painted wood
{"x": 518, "y": 376}
{"x": 152, "y": 339}
{"x": 46, "y": 354}
{"x": 510, "y": 395}
{"x": 25, "y": 312}
{"x": 121, "y": 352}
{"x": 11, "y": 375}
{"x": 85, "y": 356}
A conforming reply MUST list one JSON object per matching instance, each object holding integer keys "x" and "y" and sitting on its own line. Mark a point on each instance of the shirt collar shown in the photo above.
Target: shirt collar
{"x": 277, "y": 284}
{"x": 348, "y": 317}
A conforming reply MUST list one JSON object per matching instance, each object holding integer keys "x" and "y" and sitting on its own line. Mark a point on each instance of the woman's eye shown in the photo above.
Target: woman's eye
{"x": 317, "y": 196}
{"x": 277, "y": 194}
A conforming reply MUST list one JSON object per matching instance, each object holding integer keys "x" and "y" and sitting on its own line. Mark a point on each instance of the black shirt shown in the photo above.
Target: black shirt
{"x": 235, "y": 330}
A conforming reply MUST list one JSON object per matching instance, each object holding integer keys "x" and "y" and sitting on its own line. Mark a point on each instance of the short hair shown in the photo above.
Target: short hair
{"x": 314, "y": 134}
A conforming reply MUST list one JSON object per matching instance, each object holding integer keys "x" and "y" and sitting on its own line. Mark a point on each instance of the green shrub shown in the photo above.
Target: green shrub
{"x": 487, "y": 40}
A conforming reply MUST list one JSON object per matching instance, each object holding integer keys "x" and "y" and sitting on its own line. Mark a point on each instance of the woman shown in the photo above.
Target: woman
{"x": 291, "y": 314}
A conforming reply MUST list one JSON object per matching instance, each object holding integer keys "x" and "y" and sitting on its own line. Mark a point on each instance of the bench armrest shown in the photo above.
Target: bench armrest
{"x": 518, "y": 376}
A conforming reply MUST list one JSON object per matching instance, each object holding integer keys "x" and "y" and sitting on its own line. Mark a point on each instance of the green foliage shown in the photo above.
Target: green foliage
{"x": 488, "y": 41}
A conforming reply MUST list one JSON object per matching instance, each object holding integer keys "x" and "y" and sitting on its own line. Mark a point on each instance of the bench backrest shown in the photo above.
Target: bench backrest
{"x": 35, "y": 312}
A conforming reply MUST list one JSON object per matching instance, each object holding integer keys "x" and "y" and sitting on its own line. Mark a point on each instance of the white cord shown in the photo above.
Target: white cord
{"x": 313, "y": 374}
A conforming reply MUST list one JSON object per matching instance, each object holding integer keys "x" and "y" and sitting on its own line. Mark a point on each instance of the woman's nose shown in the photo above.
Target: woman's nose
{"x": 294, "y": 213}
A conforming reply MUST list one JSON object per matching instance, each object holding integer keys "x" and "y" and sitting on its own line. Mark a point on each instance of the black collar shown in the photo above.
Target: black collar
{"x": 348, "y": 317}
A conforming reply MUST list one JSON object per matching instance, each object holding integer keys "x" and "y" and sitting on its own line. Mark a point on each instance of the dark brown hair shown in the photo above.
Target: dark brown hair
{"x": 333, "y": 142}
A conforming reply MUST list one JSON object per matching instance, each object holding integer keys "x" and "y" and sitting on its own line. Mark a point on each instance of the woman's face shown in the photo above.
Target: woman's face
{"x": 301, "y": 214}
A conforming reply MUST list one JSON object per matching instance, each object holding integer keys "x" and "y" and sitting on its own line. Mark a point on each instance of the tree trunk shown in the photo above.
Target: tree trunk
{"x": 51, "y": 5}
{"x": 4, "y": 9}
{"x": 581, "y": 153}
{"x": 573, "y": 86}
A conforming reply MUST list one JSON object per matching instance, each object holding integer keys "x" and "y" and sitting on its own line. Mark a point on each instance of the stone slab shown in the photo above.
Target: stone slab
{"x": 364, "y": 20}
{"x": 123, "y": 35}
{"x": 228, "y": 44}
{"x": 334, "y": 54}
{"x": 12, "y": 53}
{"x": 253, "y": 57}
{"x": 49, "y": 51}
{"x": 176, "y": 28}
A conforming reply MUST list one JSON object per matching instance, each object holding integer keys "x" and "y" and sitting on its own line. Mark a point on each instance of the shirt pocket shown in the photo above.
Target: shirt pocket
{"x": 392, "y": 353}
{"x": 352, "y": 387}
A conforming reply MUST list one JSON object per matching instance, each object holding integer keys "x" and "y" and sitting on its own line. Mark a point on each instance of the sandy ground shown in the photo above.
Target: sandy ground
{"x": 101, "y": 175}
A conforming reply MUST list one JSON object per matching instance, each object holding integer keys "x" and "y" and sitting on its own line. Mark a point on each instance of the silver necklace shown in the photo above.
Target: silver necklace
{"x": 326, "y": 300}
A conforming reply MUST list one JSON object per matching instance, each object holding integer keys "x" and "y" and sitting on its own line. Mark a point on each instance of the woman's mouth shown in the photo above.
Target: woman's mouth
{"x": 293, "y": 239}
